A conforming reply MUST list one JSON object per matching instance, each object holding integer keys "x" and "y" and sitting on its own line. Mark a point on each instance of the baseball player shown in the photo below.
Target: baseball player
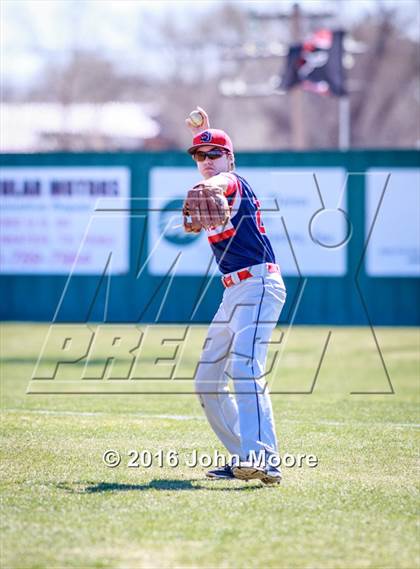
{"x": 224, "y": 205}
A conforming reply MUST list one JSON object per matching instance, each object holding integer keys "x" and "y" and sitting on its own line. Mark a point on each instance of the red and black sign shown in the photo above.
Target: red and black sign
{"x": 317, "y": 64}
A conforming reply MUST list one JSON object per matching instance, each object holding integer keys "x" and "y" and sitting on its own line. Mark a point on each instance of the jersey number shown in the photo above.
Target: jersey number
{"x": 258, "y": 219}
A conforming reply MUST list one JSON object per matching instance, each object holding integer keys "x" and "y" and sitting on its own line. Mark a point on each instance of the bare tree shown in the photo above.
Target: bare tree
{"x": 85, "y": 77}
{"x": 180, "y": 65}
{"x": 382, "y": 109}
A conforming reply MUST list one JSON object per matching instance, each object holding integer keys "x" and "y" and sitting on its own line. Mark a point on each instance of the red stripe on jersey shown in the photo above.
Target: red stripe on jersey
{"x": 232, "y": 186}
{"x": 222, "y": 236}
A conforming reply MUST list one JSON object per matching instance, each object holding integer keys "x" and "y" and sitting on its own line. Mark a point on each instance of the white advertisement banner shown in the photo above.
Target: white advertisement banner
{"x": 47, "y": 224}
{"x": 394, "y": 245}
{"x": 304, "y": 212}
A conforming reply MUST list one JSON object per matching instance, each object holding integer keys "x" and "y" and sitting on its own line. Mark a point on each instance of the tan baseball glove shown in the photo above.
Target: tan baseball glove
{"x": 205, "y": 207}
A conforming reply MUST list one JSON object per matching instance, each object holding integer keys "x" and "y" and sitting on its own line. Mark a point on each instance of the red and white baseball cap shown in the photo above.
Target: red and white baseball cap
{"x": 212, "y": 137}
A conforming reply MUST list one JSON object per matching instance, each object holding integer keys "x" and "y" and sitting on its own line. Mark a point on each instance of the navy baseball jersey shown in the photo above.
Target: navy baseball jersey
{"x": 242, "y": 242}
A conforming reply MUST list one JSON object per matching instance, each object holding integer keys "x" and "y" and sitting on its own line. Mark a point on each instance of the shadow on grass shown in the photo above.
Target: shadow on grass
{"x": 169, "y": 484}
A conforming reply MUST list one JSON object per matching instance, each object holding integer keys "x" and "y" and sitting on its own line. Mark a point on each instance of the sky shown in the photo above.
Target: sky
{"x": 33, "y": 31}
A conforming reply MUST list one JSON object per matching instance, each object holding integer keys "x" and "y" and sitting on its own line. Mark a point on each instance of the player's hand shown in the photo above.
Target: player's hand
{"x": 197, "y": 129}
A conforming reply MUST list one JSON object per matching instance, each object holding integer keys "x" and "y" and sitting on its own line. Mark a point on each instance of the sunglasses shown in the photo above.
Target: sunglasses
{"x": 214, "y": 154}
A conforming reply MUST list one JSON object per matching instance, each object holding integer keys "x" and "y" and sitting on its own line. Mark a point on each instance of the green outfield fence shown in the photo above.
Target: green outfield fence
{"x": 353, "y": 299}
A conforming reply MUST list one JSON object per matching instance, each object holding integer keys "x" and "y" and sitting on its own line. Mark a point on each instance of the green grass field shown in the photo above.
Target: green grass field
{"x": 62, "y": 507}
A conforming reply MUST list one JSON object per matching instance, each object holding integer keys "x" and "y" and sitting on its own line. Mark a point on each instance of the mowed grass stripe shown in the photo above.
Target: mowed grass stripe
{"x": 197, "y": 418}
